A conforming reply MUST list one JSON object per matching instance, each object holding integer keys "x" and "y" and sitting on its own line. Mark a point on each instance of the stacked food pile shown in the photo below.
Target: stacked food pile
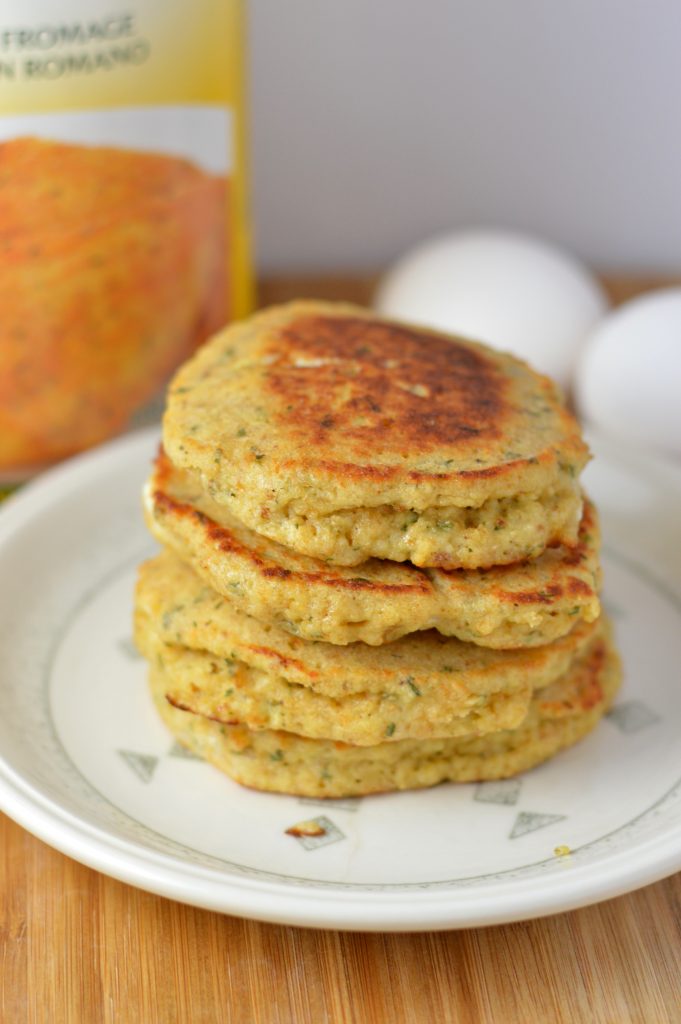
{"x": 379, "y": 570}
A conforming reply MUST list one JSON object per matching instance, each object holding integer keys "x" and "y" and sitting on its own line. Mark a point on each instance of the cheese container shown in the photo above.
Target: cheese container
{"x": 124, "y": 232}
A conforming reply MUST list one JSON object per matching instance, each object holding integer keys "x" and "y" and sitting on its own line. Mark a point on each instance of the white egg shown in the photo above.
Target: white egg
{"x": 509, "y": 290}
{"x": 628, "y": 379}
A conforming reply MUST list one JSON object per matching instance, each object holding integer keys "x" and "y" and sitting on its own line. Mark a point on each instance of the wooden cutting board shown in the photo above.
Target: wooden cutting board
{"x": 79, "y": 947}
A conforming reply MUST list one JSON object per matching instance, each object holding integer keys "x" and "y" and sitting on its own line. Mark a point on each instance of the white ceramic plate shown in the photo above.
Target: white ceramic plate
{"x": 86, "y": 765}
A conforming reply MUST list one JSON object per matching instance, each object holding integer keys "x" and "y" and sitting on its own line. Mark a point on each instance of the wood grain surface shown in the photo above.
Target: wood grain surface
{"x": 80, "y": 948}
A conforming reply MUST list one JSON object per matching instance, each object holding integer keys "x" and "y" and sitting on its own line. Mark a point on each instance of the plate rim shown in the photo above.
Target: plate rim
{"x": 277, "y": 902}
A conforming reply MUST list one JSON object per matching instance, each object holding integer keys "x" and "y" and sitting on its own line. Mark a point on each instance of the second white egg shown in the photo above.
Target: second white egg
{"x": 629, "y": 375}
{"x": 509, "y": 290}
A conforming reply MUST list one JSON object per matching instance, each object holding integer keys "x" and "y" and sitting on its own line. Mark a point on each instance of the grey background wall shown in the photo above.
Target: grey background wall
{"x": 379, "y": 122}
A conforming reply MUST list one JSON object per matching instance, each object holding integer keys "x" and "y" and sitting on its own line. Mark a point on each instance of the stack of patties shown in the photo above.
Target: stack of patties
{"x": 379, "y": 571}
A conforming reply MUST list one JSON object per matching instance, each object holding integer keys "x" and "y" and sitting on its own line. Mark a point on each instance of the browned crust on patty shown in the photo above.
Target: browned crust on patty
{"x": 225, "y": 540}
{"x": 553, "y": 590}
{"x": 372, "y": 411}
{"x": 392, "y": 388}
{"x": 376, "y": 601}
{"x": 388, "y": 386}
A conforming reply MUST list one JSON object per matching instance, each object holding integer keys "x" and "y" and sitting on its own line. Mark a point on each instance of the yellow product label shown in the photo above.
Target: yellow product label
{"x": 124, "y": 236}
{"x": 158, "y": 52}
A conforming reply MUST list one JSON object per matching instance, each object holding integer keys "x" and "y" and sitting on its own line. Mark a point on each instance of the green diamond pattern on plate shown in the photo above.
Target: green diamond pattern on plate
{"x": 530, "y": 822}
{"x": 177, "y": 750}
{"x": 322, "y": 832}
{"x": 503, "y": 791}
{"x": 632, "y": 716}
{"x": 127, "y": 648}
{"x": 613, "y": 610}
{"x": 143, "y": 765}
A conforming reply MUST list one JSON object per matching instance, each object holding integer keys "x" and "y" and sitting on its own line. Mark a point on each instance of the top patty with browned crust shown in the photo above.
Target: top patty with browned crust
{"x": 344, "y": 436}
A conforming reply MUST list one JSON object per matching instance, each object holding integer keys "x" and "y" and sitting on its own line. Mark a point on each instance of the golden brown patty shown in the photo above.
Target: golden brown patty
{"x": 527, "y": 604}
{"x": 283, "y": 762}
{"x": 344, "y": 436}
{"x": 224, "y": 664}
{"x": 184, "y": 611}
